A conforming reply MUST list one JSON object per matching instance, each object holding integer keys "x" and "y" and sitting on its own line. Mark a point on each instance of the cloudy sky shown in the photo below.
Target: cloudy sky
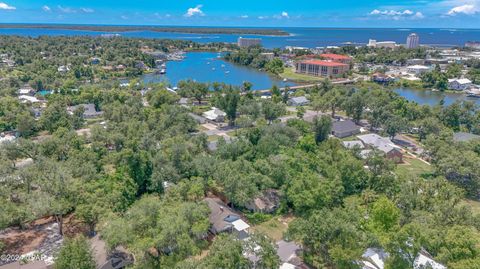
{"x": 271, "y": 13}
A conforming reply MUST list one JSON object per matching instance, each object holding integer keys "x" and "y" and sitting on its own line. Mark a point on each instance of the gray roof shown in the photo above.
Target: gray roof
{"x": 344, "y": 126}
{"x": 381, "y": 143}
{"x": 90, "y": 110}
{"x": 197, "y": 118}
{"x": 464, "y": 137}
{"x": 353, "y": 144}
{"x": 299, "y": 100}
{"x": 221, "y": 216}
{"x": 287, "y": 250}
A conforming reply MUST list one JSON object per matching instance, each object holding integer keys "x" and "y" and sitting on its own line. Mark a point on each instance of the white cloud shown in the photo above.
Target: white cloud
{"x": 123, "y": 17}
{"x": 194, "y": 11}
{"x": 468, "y": 9}
{"x": 66, "y": 9}
{"x": 5, "y": 6}
{"x": 87, "y": 10}
{"x": 285, "y": 15}
{"x": 73, "y": 10}
{"x": 396, "y": 14}
{"x": 244, "y": 16}
{"x": 46, "y": 8}
{"x": 262, "y": 17}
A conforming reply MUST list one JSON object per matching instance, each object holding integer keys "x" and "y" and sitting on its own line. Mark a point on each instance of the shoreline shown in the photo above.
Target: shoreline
{"x": 160, "y": 29}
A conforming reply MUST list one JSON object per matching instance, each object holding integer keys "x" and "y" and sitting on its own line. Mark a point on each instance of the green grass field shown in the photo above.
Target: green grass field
{"x": 273, "y": 228}
{"x": 290, "y": 74}
{"x": 414, "y": 168}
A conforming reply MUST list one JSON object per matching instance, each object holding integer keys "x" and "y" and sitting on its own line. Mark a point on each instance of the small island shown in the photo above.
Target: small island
{"x": 171, "y": 29}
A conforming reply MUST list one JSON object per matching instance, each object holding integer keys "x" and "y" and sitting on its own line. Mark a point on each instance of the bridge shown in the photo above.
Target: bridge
{"x": 299, "y": 87}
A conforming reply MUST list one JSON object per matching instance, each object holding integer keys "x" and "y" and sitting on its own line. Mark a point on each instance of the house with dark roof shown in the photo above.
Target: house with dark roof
{"x": 223, "y": 219}
{"x": 89, "y": 110}
{"x": 346, "y": 128}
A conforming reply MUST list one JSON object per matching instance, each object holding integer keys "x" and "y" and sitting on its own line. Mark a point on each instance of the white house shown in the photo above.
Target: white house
{"x": 461, "y": 84}
{"x": 63, "y": 69}
{"x": 28, "y": 98}
{"x": 298, "y": 101}
{"x": 417, "y": 69}
{"x": 424, "y": 260}
{"x": 215, "y": 114}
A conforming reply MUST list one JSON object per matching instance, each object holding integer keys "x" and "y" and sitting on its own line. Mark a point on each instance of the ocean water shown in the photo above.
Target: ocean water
{"x": 300, "y": 37}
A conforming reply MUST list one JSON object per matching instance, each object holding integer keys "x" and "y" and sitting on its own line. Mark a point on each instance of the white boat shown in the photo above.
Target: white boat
{"x": 213, "y": 68}
{"x": 226, "y": 72}
{"x": 208, "y": 62}
{"x": 285, "y": 80}
{"x": 223, "y": 65}
{"x": 163, "y": 65}
{"x": 163, "y": 71}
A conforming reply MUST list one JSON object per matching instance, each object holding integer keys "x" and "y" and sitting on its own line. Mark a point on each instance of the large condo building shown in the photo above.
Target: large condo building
{"x": 413, "y": 41}
{"x": 248, "y": 42}
{"x": 321, "y": 68}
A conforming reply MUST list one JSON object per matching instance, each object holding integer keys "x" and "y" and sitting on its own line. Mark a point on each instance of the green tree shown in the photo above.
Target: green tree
{"x": 75, "y": 253}
{"x": 322, "y": 127}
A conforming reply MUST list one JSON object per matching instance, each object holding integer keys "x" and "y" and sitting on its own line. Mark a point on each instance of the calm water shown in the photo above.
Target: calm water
{"x": 196, "y": 66}
{"x": 302, "y": 37}
{"x": 206, "y": 67}
{"x": 433, "y": 98}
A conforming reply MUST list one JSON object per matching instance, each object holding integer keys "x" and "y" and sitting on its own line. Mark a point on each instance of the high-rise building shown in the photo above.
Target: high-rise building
{"x": 413, "y": 41}
{"x": 248, "y": 42}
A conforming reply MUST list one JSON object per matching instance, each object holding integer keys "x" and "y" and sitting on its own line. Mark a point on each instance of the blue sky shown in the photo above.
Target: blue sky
{"x": 261, "y": 13}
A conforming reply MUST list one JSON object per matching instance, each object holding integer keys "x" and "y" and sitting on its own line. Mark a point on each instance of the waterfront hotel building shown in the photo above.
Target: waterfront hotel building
{"x": 320, "y": 68}
{"x": 243, "y": 42}
{"x": 333, "y": 66}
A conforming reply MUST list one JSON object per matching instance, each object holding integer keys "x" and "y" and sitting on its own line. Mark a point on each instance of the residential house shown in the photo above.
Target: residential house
{"x": 288, "y": 252}
{"x": 382, "y": 78}
{"x": 267, "y": 202}
{"x": 63, "y": 69}
{"x": 461, "y": 84}
{"x": 95, "y": 60}
{"x": 7, "y": 137}
{"x": 345, "y": 128}
{"x": 26, "y": 90}
{"x": 384, "y": 145}
{"x": 268, "y": 55}
{"x": 28, "y": 99}
{"x": 89, "y": 111}
{"x": 223, "y": 219}
{"x": 197, "y": 118}
{"x": 465, "y": 137}
{"x": 424, "y": 260}
{"x": 374, "y": 258}
{"x": 298, "y": 101}
{"x": 417, "y": 69}
{"x": 215, "y": 115}
{"x": 353, "y": 144}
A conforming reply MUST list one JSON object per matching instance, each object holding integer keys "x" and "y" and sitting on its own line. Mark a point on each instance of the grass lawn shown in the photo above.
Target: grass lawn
{"x": 213, "y": 138}
{"x": 474, "y": 204}
{"x": 290, "y": 74}
{"x": 413, "y": 168}
{"x": 273, "y": 228}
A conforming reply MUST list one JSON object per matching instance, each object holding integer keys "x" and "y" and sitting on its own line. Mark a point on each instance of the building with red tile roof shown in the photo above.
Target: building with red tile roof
{"x": 321, "y": 68}
{"x": 337, "y": 58}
